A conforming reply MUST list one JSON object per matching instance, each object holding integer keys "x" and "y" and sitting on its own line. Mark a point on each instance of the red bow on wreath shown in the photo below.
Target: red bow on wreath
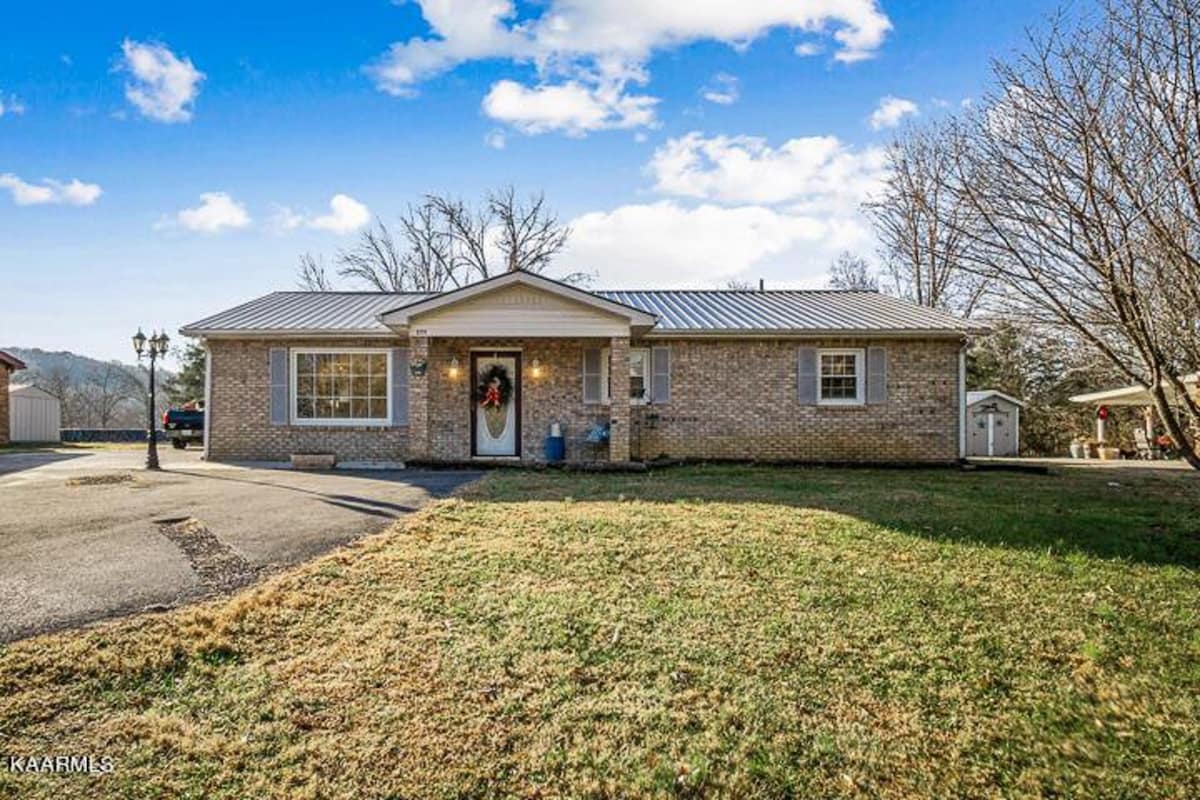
{"x": 491, "y": 397}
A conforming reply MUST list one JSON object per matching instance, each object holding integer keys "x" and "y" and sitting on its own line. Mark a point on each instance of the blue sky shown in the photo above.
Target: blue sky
{"x": 687, "y": 143}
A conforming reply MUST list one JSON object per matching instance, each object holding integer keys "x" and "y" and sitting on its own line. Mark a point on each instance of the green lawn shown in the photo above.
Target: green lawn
{"x": 716, "y": 631}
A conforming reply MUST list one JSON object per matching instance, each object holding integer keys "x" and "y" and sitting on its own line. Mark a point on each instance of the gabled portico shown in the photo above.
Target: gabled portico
{"x": 497, "y": 362}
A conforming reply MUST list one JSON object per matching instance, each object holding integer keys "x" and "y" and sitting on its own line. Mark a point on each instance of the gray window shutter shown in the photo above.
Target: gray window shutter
{"x": 660, "y": 375}
{"x": 400, "y": 386}
{"x": 280, "y": 397}
{"x": 807, "y": 372}
{"x": 591, "y": 376}
{"x": 876, "y": 374}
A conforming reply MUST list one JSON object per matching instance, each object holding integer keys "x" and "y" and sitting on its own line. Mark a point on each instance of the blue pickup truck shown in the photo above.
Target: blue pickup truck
{"x": 184, "y": 426}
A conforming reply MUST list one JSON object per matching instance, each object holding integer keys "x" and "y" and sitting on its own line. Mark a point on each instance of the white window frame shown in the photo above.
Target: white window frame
{"x": 860, "y": 376}
{"x": 295, "y": 354}
{"x": 605, "y": 372}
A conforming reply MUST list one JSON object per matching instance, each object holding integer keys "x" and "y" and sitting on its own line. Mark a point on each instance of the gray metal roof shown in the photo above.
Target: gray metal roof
{"x": 304, "y": 312}
{"x": 820, "y": 310}
{"x": 679, "y": 312}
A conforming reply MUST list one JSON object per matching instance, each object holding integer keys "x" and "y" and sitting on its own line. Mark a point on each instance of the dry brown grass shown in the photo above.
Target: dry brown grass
{"x": 749, "y": 640}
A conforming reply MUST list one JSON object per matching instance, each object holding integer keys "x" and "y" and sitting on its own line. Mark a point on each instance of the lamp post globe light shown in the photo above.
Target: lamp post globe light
{"x": 153, "y": 348}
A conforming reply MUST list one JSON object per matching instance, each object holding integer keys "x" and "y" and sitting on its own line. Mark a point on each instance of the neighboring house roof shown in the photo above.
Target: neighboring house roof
{"x": 10, "y": 361}
{"x": 675, "y": 313}
{"x": 984, "y": 394}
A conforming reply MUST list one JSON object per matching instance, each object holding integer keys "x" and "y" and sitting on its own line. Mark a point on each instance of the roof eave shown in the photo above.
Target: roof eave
{"x": 294, "y": 333}
{"x": 12, "y": 362}
{"x": 809, "y": 333}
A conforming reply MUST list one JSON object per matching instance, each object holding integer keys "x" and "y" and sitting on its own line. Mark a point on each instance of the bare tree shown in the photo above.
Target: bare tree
{"x": 104, "y": 391}
{"x": 920, "y": 222}
{"x": 443, "y": 242}
{"x": 849, "y": 271}
{"x": 1083, "y": 176}
{"x": 375, "y": 262}
{"x": 530, "y": 234}
{"x": 312, "y": 276}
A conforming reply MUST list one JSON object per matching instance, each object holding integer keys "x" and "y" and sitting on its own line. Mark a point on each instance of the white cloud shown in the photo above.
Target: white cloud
{"x": 571, "y": 107}
{"x": 346, "y": 215}
{"x": 666, "y": 244}
{"x": 583, "y": 49}
{"x": 723, "y": 89}
{"x": 495, "y": 139}
{"x": 163, "y": 86}
{"x": 819, "y": 172}
{"x": 11, "y": 105}
{"x": 738, "y": 208}
{"x": 892, "y": 111}
{"x": 50, "y": 192}
{"x": 217, "y": 212}
{"x": 806, "y": 49}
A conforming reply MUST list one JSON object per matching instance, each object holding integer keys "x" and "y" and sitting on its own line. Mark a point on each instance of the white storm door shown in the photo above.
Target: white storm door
{"x": 496, "y": 399}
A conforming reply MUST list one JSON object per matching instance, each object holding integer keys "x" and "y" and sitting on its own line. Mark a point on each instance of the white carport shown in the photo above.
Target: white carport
{"x": 35, "y": 415}
{"x": 1135, "y": 395}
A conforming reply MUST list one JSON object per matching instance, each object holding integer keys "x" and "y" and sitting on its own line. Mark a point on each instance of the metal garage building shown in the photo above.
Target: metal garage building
{"x": 35, "y": 415}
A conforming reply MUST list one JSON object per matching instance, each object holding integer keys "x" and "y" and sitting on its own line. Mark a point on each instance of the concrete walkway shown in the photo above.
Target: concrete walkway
{"x": 1096, "y": 463}
{"x": 86, "y": 535}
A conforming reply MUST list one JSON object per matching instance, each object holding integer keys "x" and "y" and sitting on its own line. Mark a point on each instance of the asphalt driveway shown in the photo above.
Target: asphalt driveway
{"x": 86, "y": 535}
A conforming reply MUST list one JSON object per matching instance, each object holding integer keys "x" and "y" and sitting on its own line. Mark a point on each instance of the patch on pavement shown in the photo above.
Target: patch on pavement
{"x": 217, "y": 564}
{"x": 100, "y": 480}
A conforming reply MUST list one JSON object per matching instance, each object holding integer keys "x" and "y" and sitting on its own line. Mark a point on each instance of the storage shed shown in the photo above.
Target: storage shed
{"x": 35, "y": 415}
{"x": 993, "y": 423}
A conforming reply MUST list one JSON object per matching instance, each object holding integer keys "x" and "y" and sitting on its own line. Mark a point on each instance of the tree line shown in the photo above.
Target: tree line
{"x": 1065, "y": 207}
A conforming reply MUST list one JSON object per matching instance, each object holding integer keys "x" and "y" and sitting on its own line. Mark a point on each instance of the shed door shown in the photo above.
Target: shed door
{"x": 1004, "y": 430}
{"x": 977, "y": 441}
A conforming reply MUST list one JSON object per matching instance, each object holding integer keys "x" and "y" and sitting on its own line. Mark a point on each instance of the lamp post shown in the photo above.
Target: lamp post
{"x": 154, "y": 348}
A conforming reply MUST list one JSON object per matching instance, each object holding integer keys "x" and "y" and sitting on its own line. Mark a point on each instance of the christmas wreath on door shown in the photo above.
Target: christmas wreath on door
{"x": 494, "y": 392}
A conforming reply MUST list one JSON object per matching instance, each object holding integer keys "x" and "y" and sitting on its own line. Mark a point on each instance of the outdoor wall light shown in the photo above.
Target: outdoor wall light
{"x": 417, "y": 368}
{"x": 454, "y": 367}
{"x": 537, "y": 368}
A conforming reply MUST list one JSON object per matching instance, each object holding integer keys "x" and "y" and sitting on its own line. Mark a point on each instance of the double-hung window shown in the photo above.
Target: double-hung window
{"x": 341, "y": 387}
{"x": 840, "y": 377}
{"x": 639, "y": 375}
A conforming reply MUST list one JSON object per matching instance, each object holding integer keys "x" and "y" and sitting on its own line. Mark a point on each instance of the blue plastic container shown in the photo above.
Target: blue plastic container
{"x": 556, "y": 448}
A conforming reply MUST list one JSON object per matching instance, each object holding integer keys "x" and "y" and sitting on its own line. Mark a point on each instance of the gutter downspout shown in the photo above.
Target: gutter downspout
{"x": 207, "y": 395}
{"x": 962, "y": 400}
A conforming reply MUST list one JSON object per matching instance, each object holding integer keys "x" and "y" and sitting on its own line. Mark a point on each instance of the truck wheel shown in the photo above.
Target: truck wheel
{"x": 180, "y": 444}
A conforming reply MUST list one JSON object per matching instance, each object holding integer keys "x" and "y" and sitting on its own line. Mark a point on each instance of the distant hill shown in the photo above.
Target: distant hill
{"x": 95, "y": 393}
{"x": 72, "y": 366}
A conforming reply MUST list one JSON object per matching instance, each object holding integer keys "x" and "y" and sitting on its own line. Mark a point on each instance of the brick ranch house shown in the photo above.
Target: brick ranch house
{"x": 8, "y": 365}
{"x": 484, "y": 371}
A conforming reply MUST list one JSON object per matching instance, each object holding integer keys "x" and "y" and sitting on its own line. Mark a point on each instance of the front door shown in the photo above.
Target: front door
{"x": 496, "y": 404}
